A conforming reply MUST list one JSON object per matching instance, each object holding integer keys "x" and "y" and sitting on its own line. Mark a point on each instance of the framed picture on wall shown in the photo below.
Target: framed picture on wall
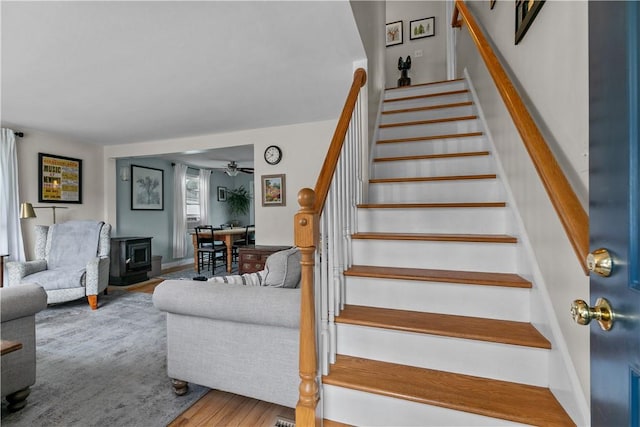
{"x": 222, "y": 194}
{"x": 273, "y": 190}
{"x": 394, "y": 33}
{"x": 425, "y": 27}
{"x": 59, "y": 179}
{"x": 526, "y": 12}
{"x": 147, "y": 188}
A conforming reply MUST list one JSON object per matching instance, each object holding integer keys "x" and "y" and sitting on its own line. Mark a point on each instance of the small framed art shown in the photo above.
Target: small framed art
{"x": 273, "y": 190}
{"x": 222, "y": 194}
{"x": 147, "y": 189}
{"x": 425, "y": 27}
{"x": 394, "y": 33}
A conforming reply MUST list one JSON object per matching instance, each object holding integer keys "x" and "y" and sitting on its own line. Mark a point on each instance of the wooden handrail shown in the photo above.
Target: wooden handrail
{"x": 567, "y": 205}
{"x": 330, "y": 162}
{"x": 306, "y": 237}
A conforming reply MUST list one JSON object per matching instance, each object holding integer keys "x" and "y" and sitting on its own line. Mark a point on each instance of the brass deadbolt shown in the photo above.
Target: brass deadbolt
{"x": 600, "y": 262}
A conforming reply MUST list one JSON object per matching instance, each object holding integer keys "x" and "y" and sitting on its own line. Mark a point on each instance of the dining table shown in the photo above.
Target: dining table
{"x": 227, "y": 235}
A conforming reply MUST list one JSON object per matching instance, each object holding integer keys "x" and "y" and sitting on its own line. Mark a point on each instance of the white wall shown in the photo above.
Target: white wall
{"x": 551, "y": 65}
{"x": 304, "y": 147}
{"x": 92, "y": 207}
{"x": 370, "y": 19}
{"x": 432, "y": 65}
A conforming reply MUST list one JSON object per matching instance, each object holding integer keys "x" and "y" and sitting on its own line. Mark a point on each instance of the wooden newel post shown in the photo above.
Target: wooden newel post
{"x": 306, "y": 229}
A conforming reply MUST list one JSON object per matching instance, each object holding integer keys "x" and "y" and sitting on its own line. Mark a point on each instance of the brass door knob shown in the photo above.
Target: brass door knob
{"x": 600, "y": 262}
{"x": 602, "y": 312}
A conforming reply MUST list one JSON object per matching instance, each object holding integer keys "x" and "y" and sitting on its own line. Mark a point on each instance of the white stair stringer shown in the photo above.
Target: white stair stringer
{"x": 429, "y": 129}
{"x": 442, "y": 191}
{"x": 360, "y": 408}
{"x": 472, "y": 220}
{"x": 464, "y": 256}
{"x": 432, "y": 146}
{"x": 463, "y": 165}
{"x": 492, "y": 302}
{"x": 428, "y": 89}
{"x": 442, "y": 97}
{"x": 447, "y": 109}
{"x": 470, "y": 357}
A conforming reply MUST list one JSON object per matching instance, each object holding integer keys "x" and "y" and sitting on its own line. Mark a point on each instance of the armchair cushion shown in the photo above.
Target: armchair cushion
{"x": 73, "y": 244}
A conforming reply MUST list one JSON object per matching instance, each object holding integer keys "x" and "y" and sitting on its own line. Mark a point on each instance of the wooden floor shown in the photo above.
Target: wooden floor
{"x": 218, "y": 408}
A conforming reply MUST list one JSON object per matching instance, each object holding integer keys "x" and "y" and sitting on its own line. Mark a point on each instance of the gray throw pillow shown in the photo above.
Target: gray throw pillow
{"x": 283, "y": 269}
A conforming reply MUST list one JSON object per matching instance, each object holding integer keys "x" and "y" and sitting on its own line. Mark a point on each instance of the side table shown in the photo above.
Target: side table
{"x": 251, "y": 258}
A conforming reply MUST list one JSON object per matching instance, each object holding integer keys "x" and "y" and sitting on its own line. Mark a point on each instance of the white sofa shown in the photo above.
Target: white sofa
{"x": 233, "y": 337}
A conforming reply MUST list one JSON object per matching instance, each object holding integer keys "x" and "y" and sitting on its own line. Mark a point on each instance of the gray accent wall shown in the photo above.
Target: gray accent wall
{"x": 159, "y": 224}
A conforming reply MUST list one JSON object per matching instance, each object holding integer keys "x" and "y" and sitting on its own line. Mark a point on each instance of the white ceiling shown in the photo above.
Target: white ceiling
{"x": 124, "y": 72}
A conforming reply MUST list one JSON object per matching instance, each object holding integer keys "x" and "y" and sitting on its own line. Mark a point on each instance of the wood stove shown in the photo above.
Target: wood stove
{"x": 130, "y": 260}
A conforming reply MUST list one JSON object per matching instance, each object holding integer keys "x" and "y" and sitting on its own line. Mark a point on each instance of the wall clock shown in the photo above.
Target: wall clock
{"x": 273, "y": 154}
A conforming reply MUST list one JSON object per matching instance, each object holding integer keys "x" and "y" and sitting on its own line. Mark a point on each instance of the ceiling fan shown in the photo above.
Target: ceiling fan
{"x": 232, "y": 169}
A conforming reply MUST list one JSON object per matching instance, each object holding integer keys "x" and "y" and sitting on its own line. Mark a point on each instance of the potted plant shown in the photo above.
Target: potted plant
{"x": 238, "y": 202}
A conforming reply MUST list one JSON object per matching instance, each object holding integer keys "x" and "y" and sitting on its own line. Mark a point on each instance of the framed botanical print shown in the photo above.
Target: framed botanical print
{"x": 147, "y": 188}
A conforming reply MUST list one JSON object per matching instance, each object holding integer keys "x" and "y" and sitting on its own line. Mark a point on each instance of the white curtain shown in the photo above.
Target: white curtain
{"x": 205, "y": 197}
{"x": 10, "y": 228}
{"x": 179, "y": 211}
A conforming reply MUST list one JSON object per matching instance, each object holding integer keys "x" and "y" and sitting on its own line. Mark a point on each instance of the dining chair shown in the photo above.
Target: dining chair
{"x": 209, "y": 250}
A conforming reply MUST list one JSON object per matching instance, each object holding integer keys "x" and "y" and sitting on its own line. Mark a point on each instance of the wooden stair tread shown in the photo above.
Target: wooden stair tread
{"x": 432, "y": 178}
{"x": 432, "y": 205}
{"x": 431, "y": 107}
{"x": 447, "y": 325}
{"x": 430, "y": 137}
{"x": 431, "y": 275}
{"x": 437, "y": 237}
{"x": 428, "y": 122}
{"x": 433, "y": 156}
{"x": 429, "y": 95}
{"x": 493, "y": 398}
{"x": 423, "y": 84}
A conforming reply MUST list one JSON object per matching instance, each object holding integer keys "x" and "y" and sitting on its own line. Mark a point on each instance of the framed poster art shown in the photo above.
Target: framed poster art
{"x": 393, "y": 33}
{"x": 59, "y": 179}
{"x": 147, "y": 188}
{"x": 273, "y": 190}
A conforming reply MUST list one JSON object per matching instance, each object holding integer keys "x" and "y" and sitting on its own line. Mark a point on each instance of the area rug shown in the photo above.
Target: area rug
{"x": 189, "y": 273}
{"x": 102, "y": 368}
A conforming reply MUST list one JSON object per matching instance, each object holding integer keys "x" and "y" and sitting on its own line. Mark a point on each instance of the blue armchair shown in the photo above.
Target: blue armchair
{"x": 72, "y": 261}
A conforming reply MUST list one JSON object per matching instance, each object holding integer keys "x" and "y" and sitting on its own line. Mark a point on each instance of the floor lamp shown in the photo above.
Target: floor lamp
{"x": 27, "y": 210}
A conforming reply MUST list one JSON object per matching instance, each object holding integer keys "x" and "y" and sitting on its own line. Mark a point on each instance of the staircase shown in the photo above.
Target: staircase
{"x": 436, "y": 328}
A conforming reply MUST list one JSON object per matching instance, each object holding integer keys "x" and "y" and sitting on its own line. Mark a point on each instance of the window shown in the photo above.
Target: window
{"x": 193, "y": 198}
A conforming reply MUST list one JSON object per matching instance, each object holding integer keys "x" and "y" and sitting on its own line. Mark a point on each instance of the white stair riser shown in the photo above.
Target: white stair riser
{"x": 424, "y": 89}
{"x": 434, "y": 146}
{"x": 490, "y": 257}
{"x": 366, "y": 409}
{"x": 493, "y": 302}
{"x": 458, "y": 126}
{"x": 472, "y": 190}
{"x": 436, "y": 220}
{"x": 468, "y": 165}
{"x": 437, "y": 113}
{"x": 503, "y": 362}
{"x": 425, "y": 102}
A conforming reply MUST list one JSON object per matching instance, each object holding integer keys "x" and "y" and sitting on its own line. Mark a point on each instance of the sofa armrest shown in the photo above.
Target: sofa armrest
{"x": 236, "y": 303}
{"x": 21, "y": 301}
{"x": 97, "y": 278}
{"x": 17, "y": 270}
